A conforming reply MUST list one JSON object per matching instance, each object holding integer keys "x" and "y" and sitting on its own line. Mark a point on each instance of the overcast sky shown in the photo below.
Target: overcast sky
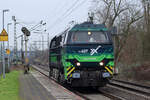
{"x": 50, "y": 11}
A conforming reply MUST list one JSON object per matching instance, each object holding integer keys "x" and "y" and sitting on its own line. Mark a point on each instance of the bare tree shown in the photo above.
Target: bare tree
{"x": 111, "y": 10}
{"x": 146, "y": 6}
{"x": 129, "y": 21}
{"x": 118, "y": 12}
{"x": 146, "y": 40}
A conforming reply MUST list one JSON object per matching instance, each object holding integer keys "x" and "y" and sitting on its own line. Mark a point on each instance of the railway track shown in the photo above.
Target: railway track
{"x": 127, "y": 90}
{"x": 115, "y": 90}
{"x": 86, "y": 93}
{"x": 145, "y": 90}
{"x": 46, "y": 73}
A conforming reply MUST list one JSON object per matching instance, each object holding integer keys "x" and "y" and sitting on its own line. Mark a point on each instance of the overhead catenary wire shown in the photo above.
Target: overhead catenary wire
{"x": 58, "y": 10}
{"x": 65, "y": 16}
{"x": 70, "y": 9}
{"x": 57, "y": 20}
{"x": 75, "y": 8}
{"x": 75, "y": 3}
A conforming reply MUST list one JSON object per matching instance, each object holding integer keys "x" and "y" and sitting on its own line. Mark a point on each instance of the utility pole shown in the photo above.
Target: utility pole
{"x": 47, "y": 35}
{"x": 26, "y": 58}
{"x": 42, "y": 44}
{"x": 47, "y": 39}
{"x": 30, "y": 57}
{"x": 22, "y": 53}
{"x": 1, "y": 51}
{"x": 8, "y": 44}
{"x": 1, "y": 58}
{"x": 3, "y": 54}
{"x": 48, "y": 44}
{"x": 26, "y": 49}
{"x": 4, "y": 46}
{"x": 35, "y": 45}
{"x": 35, "y": 48}
{"x": 15, "y": 39}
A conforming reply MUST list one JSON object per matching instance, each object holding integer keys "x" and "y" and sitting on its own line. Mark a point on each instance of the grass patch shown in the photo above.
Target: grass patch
{"x": 9, "y": 87}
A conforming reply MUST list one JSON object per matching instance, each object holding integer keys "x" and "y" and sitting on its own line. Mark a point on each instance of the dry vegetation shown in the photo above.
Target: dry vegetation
{"x": 132, "y": 49}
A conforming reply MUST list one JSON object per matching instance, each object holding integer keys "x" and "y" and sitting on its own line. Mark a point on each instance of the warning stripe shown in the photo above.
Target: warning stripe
{"x": 71, "y": 71}
{"x": 68, "y": 68}
{"x": 108, "y": 70}
{"x": 111, "y": 67}
{"x": 71, "y": 75}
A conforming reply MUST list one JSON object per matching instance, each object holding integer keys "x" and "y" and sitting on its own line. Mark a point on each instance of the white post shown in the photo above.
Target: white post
{"x": 3, "y": 54}
{"x": 8, "y": 45}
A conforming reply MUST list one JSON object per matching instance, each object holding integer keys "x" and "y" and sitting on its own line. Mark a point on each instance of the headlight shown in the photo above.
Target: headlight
{"x": 101, "y": 63}
{"x": 78, "y": 64}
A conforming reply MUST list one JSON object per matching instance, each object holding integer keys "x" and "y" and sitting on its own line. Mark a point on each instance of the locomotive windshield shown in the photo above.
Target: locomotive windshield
{"x": 88, "y": 37}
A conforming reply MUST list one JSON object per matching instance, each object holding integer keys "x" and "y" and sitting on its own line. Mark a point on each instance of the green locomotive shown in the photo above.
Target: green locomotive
{"x": 82, "y": 56}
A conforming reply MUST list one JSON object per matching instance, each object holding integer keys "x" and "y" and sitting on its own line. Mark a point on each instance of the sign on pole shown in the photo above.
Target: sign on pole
{"x": 7, "y": 51}
{"x": 3, "y": 35}
{"x": 26, "y": 60}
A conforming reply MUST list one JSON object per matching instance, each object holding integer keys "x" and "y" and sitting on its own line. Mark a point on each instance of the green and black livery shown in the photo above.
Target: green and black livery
{"x": 82, "y": 55}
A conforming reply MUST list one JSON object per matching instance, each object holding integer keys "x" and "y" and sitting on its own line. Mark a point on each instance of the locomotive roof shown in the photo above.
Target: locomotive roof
{"x": 88, "y": 26}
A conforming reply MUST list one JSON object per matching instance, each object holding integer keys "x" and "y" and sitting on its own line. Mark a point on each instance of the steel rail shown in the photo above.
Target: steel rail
{"x": 144, "y": 90}
{"x": 131, "y": 83}
{"x": 106, "y": 94}
{"x": 68, "y": 88}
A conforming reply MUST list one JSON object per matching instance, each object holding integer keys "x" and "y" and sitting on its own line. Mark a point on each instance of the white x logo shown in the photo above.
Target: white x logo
{"x": 93, "y": 51}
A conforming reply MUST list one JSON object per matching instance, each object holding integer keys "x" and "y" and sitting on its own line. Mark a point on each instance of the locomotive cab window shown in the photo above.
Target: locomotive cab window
{"x": 53, "y": 44}
{"x": 63, "y": 39}
{"x": 58, "y": 41}
{"x": 88, "y": 37}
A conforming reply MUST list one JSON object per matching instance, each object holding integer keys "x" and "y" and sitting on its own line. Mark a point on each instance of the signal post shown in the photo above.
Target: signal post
{"x": 26, "y": 34}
